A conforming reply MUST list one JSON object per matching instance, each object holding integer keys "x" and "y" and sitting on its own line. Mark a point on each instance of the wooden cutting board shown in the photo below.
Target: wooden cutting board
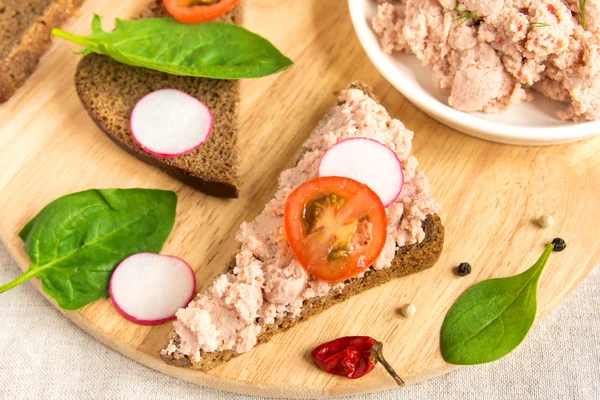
{"x": 50, "y": 147}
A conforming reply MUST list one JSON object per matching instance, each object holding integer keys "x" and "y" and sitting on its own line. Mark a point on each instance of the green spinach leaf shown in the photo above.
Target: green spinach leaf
{"x": 76, "y": 241}
{"x": 491, "y": 318}
{"x": 211, "y": 50}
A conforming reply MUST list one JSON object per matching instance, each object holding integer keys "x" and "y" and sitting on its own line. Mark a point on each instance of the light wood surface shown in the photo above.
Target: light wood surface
{"x": 50, "y": 147}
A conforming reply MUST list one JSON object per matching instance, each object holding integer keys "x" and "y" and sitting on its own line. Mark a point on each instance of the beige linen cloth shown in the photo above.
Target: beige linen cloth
{"x": 44, "y": 356}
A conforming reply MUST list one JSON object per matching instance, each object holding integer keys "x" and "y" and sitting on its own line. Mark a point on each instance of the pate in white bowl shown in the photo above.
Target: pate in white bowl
{"x": 527, "y": 123}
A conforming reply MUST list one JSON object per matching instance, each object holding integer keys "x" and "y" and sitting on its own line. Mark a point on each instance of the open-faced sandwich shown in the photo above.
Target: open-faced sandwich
{"x": 352, "y": 214}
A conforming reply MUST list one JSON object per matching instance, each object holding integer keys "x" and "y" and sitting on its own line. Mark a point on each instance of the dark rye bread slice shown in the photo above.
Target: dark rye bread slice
{"x": 25, "y": 27}
{"x": 407, "y": 260}
{"x": 109, "y": 90}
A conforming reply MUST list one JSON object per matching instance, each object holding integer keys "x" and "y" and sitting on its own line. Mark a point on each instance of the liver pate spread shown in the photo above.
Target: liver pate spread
{"x": 488, "y": 54}
{"x": 268, "y": 281}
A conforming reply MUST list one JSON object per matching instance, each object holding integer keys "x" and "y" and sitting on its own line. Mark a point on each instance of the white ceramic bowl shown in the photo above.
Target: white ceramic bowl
{"x": 532, "y": 123}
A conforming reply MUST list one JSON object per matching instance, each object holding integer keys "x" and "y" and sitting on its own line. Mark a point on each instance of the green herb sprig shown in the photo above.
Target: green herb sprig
{"x": 534, "y": 25}
{"x": 582, "y": 4}
{"x": 76, "y": 241}
{"x": 464, "y": 16}
{"x": 210, "y": 50}
{"x": 492, "y": 318}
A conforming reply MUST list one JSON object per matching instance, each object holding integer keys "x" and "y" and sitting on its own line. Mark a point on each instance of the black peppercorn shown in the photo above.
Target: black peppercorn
{"x": 559, "y": 244}
{"x": 464, "y": 269}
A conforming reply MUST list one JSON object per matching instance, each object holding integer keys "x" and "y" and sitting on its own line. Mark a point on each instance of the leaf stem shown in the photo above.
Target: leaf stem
{"x": 377, "y": 354}
{"x": 82, "y": 40}
{"x": 23, "y": 278}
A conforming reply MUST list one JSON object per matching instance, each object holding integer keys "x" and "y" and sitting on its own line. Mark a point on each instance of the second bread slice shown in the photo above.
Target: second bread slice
{"x": 109, "y": 90}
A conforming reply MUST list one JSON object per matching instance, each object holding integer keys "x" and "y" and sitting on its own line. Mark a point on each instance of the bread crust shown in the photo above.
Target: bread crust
{"x": 20, "y": 62}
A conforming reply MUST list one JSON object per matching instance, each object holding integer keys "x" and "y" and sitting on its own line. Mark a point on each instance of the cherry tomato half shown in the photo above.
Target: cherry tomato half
{"x": 336, "y": 227}
{"x": 195, "y": 11}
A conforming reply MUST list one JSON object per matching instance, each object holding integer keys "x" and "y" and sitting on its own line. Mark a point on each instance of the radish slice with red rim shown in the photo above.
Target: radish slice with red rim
{"x": 367, "y": 161}
{"x": 148, "y": 288}
{"x": 170, "y": 123}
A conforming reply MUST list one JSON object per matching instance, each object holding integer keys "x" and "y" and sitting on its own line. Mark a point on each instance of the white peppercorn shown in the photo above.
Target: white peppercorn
{"x": 545, "y": 221}
{"x": 408, "y": 310}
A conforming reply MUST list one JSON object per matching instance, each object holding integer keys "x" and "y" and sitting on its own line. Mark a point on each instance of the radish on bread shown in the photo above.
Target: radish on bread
{"x": 170, "y": 123}
{"x": 367, "y": 161}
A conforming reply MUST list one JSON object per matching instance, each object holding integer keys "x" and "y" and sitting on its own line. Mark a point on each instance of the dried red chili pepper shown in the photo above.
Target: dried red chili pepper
{"x": 352, "y": 357}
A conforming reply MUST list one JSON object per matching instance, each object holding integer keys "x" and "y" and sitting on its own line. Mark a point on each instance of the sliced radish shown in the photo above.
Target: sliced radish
{"x": 148, "y": 288}
{"x": 367, "y": 161}
{"x": 170, "y": 123}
